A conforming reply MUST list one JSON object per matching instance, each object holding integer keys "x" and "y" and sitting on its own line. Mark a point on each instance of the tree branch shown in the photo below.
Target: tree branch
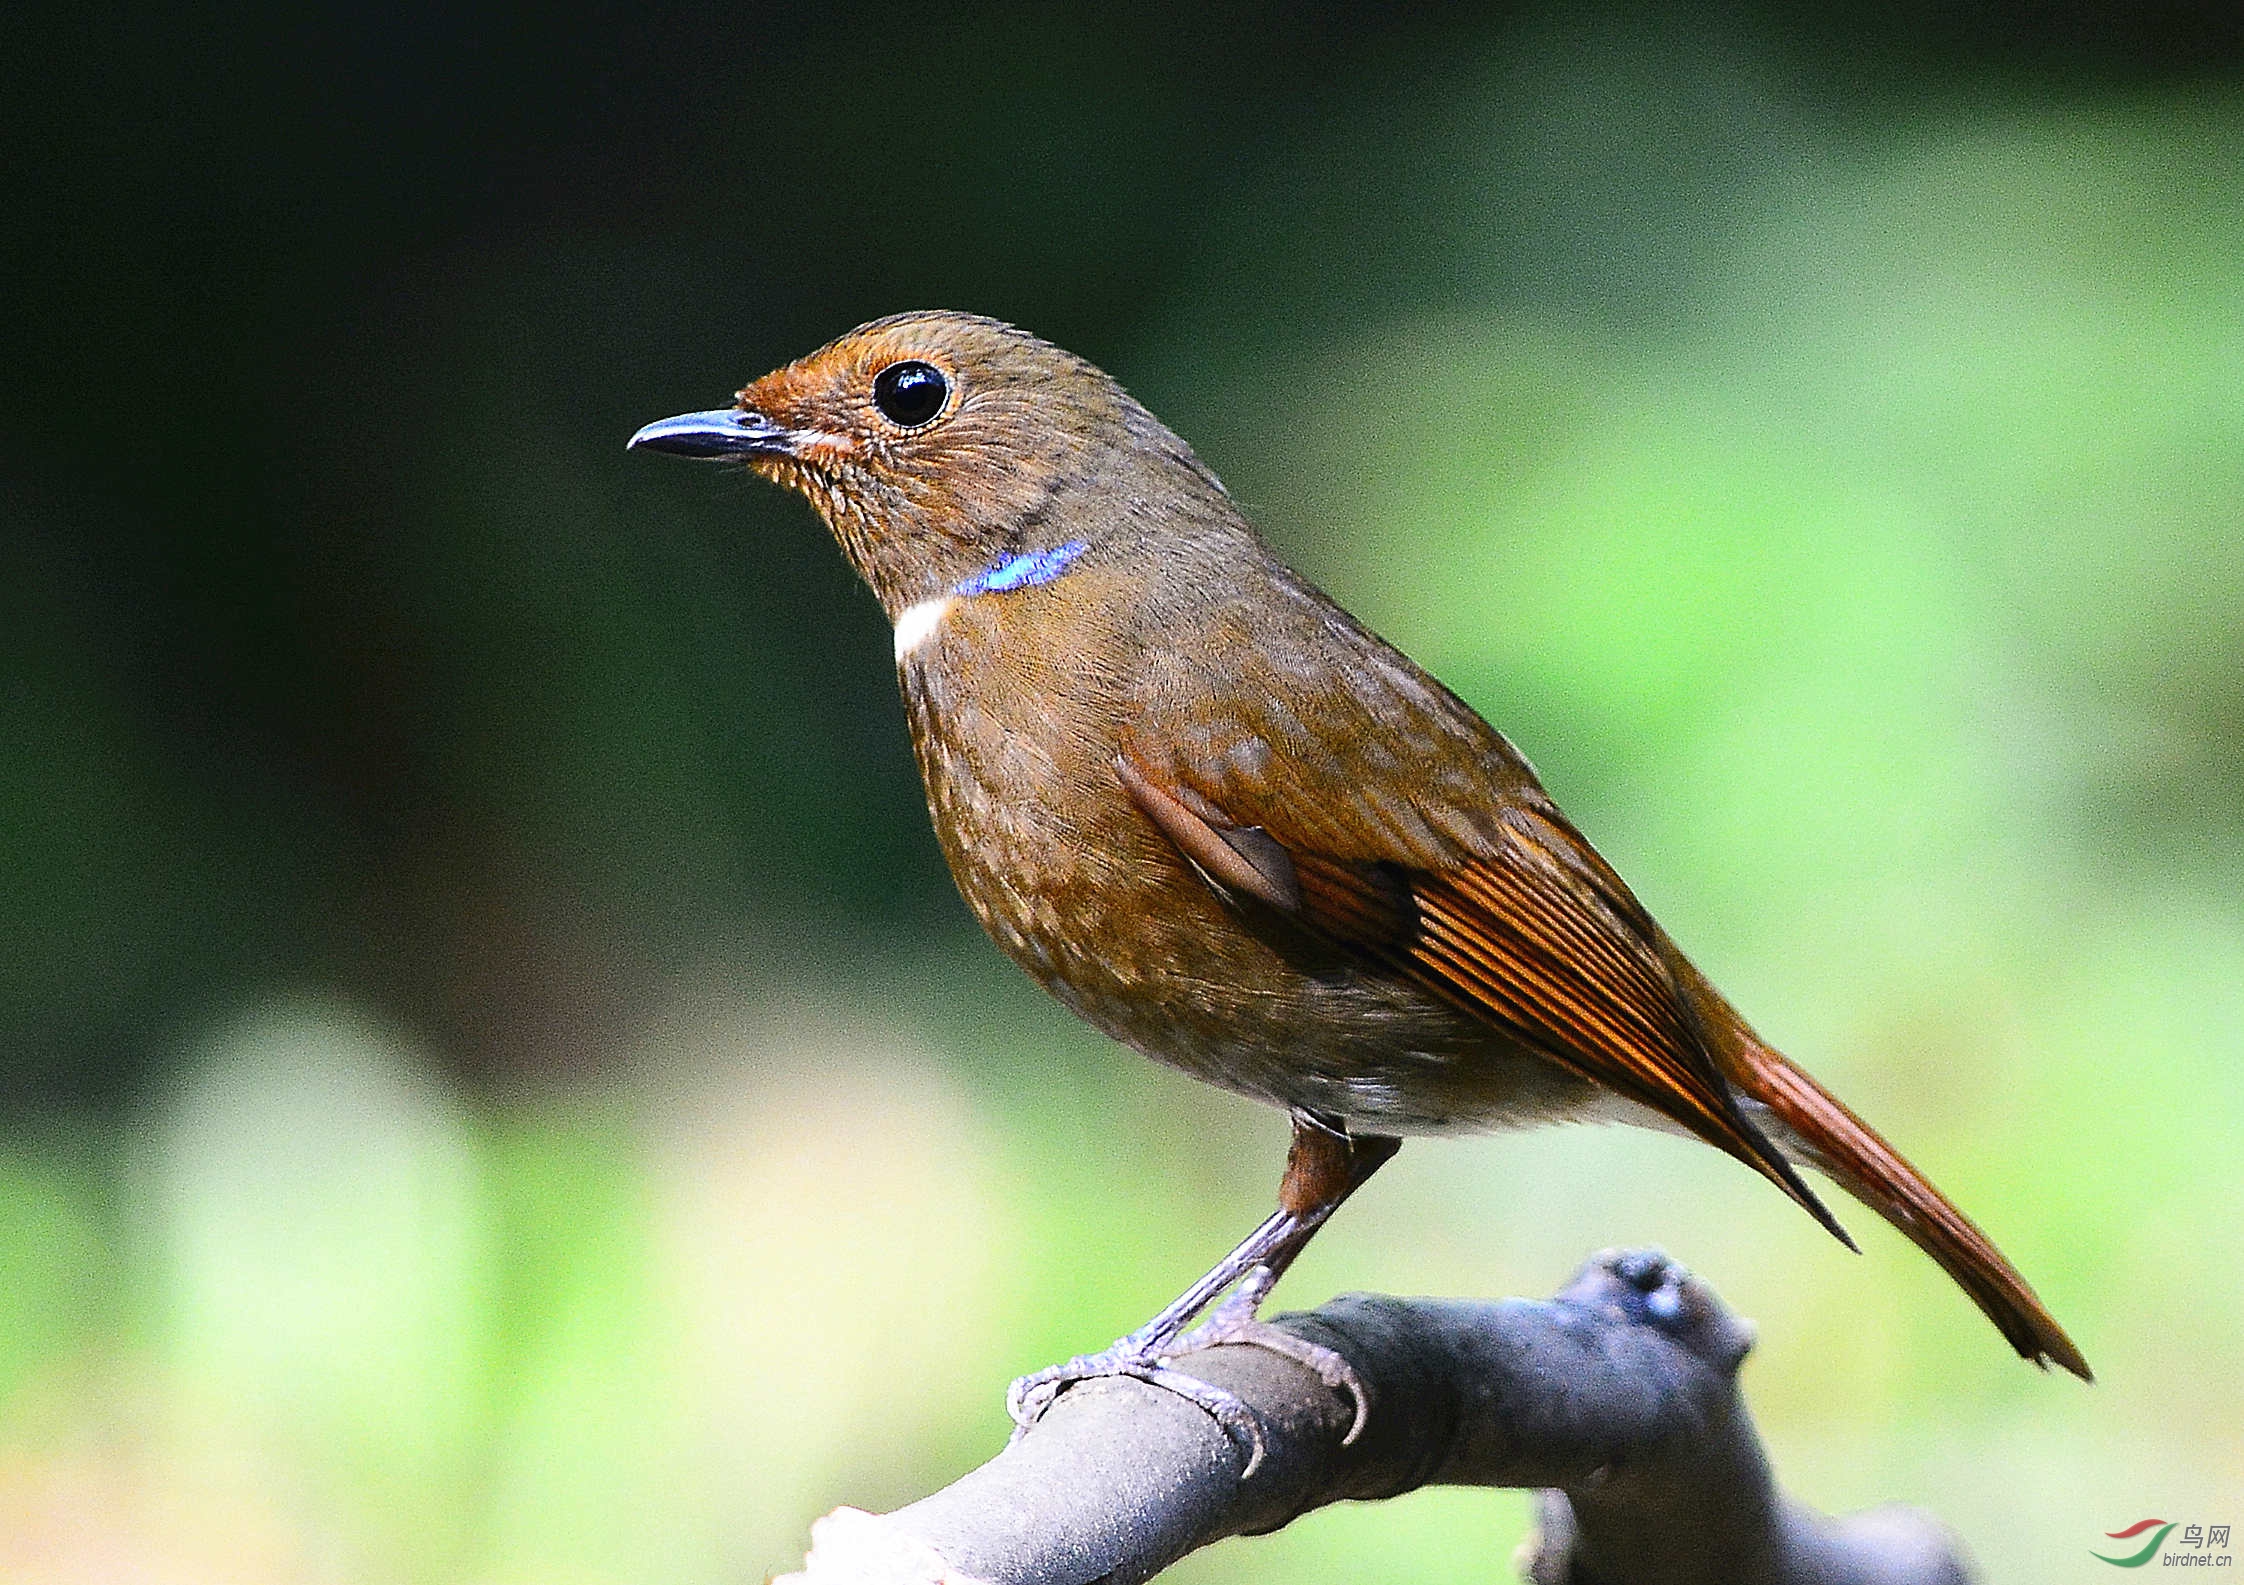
{"x": 1617, "y": 1399}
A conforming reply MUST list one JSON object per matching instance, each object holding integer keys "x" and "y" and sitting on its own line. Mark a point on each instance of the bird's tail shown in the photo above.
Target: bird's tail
{"x": 1830, "y": 1138}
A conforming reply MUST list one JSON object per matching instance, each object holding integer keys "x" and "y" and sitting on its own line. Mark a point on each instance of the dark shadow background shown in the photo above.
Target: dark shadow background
{"x": 297, "y": 691}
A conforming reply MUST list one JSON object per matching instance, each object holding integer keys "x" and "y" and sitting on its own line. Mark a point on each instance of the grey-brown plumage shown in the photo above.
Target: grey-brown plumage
{"x": 1089, "y": 895}
{"x": 1228, "y": 825}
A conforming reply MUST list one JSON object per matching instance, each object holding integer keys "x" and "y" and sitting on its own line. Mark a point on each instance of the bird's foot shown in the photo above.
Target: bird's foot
{"x": 1235, "y": 1321}
{"x": 1141, "y": 1360}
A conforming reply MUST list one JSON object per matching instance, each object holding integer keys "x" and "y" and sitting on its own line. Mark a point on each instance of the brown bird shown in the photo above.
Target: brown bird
{"x": 1227, "y": 824}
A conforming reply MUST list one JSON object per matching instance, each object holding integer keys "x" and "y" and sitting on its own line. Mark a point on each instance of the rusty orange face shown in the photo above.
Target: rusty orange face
{"x": 926, "y": 441}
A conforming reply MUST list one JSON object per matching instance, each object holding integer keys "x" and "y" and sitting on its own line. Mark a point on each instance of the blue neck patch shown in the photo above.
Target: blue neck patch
{"x": 1024, "y": 571}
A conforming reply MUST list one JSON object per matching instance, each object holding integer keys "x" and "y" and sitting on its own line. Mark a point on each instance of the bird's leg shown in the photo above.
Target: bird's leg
{"x": 1323, "y": 1167}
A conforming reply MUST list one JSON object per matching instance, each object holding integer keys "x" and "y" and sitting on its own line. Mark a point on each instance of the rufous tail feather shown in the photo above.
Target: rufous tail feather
{"x": 1852, "y": 1154}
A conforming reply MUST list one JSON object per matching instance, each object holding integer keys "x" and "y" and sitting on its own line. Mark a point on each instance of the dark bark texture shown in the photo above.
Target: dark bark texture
{"x": 1617, "y": 1401}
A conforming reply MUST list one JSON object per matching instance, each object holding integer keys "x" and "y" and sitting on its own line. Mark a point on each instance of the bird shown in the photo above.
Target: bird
{"x": 1225, "y": 823}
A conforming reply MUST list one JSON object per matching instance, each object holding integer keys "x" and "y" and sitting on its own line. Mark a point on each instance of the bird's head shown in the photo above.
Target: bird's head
{"x": 937, "y": 445}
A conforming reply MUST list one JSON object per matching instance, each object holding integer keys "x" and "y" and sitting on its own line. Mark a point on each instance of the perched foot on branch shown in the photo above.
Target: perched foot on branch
{"x": 1146, "y": 1358}
{"x": 1235, "y": 1320}
{"x": 1323, "y": 1167}
{"x": 1140, "y": 1358}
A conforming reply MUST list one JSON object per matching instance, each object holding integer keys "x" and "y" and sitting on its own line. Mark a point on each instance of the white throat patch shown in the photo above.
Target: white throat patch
{"x": 918, "y": 622}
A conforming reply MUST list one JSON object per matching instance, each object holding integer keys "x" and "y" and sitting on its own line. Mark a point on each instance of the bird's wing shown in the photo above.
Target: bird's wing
{"x": 1423, "y": 844}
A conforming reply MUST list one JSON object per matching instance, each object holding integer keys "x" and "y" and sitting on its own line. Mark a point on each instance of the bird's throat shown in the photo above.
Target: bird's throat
{"x": 918, "y": 622}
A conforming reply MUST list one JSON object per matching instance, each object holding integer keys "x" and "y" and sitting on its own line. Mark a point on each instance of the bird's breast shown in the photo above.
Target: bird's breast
{"x": 1015, "y": 731}
{"x": 1017, "y": 723}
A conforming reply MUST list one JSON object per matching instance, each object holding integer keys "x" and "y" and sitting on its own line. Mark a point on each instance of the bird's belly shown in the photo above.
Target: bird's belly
{"x": 1072, "y": 881}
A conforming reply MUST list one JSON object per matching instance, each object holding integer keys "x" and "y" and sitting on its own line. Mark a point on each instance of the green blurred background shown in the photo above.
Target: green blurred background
{"x": 495, "y": 1084}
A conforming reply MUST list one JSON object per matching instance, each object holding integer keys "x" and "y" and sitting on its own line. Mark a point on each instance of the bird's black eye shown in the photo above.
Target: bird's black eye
{"x": 910, "y": 393}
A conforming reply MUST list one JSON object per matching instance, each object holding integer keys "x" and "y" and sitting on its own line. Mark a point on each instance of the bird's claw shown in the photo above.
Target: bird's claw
{"x": 1029, "y": 1396}
{"x": 1032, "y": 1395}
{"x": 1235, "y": 1321}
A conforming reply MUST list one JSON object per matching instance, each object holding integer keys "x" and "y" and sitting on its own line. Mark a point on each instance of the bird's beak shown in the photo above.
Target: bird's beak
{"x": 724, "y": 432}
